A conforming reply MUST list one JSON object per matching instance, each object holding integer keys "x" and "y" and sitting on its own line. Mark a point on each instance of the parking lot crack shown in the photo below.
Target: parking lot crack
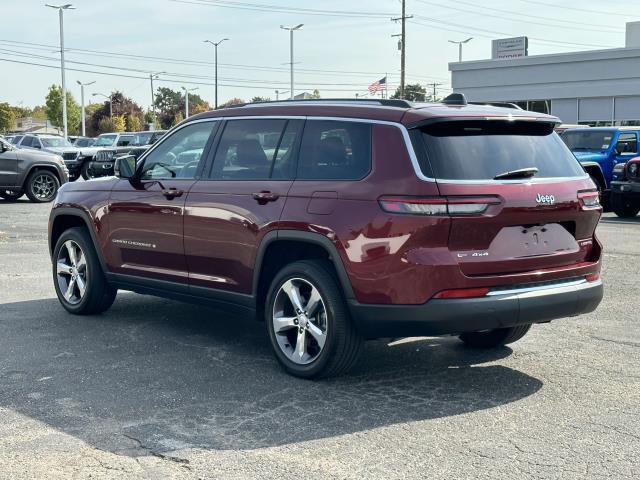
{"x": 181, "y": 461}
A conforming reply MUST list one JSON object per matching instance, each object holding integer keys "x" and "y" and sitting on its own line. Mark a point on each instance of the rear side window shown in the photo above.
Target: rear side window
{"x": 482, "y": 149}
{"x": 26, "y": 142}
{"x": 335, "y": 150}
{"x": 257, "y": 149}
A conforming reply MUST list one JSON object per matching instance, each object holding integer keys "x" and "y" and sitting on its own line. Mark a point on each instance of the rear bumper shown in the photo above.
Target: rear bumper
{"x": 455, "y": 316}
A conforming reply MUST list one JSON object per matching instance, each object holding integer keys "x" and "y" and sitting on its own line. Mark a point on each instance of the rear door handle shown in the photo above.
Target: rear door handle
{"x": 265, "y": 196}
{"x": 172, "y": 193}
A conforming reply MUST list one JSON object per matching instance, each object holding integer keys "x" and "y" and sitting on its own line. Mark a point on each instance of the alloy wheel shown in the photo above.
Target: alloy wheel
{"x": 71, "y": 272}
{"x": 299, "y": 321}
{"x": 44, "y": 187}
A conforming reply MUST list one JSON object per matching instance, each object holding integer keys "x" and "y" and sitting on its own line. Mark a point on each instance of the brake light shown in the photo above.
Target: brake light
{"x": 589, "y": 199}
{"x": 463, "y": 293}
{"x": 592, "y": 277}
{"x": 437, "y": 205}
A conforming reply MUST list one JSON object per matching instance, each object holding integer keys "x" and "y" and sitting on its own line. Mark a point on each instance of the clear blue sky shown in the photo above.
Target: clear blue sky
{"x": 330, "y": 49}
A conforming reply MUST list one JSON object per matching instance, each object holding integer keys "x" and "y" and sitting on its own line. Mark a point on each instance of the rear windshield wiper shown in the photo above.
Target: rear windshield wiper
{"x": 520, "y": 173}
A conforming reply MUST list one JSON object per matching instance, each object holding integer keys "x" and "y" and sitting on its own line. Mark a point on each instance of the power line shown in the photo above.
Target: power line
{"x": 571, "y": 27}
{"x": 493, "y": 32}
{"x": 178, "y": 61}
{"x": 281, "y": 9}
{"x": 599, "y": 12}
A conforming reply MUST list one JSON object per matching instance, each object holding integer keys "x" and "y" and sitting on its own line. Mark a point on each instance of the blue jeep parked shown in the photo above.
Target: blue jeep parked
{"x": 600, "y": 149}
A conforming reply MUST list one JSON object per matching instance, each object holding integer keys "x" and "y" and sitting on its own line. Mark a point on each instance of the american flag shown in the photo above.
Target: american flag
{"x": 378, "y": 86}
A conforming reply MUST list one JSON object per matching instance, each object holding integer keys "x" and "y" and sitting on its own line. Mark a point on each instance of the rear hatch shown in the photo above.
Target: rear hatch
{"x": 535, "y": 206}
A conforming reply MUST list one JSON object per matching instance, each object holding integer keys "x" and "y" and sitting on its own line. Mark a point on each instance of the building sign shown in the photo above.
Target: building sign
{"x": 515, "y": 47}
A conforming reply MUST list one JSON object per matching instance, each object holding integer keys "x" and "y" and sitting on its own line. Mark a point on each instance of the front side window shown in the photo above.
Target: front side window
{"x": 179, "y": 155}
{"x": 485, "y": 149}
{"x": 27, "y": 141}
{"x": 335, "y": 150}
{"x": 124, "y": 140}
{"x": 257, "y": 149}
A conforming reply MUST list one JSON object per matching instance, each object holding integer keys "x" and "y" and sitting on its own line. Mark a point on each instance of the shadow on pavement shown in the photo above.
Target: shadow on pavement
{"x": 153, "y": 376}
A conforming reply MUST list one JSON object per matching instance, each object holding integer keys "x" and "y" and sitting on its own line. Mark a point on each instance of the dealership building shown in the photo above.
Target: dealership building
{"x": 597, "y": 87}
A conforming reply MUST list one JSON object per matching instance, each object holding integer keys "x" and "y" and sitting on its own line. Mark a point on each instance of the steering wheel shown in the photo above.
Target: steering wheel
{"x": 187, "y": 167}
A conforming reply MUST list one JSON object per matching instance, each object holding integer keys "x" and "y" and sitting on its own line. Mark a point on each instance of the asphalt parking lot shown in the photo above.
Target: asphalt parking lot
{"x": 159, "y": 389}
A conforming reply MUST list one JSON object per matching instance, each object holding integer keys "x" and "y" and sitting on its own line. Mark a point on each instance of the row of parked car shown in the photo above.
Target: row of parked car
{"x": 37, "y": 164}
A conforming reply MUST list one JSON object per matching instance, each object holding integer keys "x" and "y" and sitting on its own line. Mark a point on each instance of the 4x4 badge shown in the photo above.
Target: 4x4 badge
{"x": 545, "y": 199}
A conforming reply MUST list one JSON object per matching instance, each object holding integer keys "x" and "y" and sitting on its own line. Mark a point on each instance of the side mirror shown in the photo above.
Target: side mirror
{"x": 125, "y": 167}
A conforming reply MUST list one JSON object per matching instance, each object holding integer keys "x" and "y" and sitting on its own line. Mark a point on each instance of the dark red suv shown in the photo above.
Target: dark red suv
{"x": 338, "y": 221}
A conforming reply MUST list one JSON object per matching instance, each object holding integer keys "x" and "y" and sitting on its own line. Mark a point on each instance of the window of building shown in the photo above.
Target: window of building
{"x": 335, "y": 150}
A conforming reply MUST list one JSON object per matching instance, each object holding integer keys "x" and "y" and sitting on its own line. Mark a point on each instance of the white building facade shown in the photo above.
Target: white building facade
{"x": 598, "y": 88}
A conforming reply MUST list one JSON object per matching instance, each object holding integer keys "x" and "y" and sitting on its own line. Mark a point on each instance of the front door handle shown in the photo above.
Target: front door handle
{"x": 172, "y": 193}
{"x": 265, "y": 197}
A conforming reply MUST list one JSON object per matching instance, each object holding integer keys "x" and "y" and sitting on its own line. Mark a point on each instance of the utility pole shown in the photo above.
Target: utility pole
{"x": 434, "y": 85}
{"x": 186, "y": 100}
{"x": 215, "y": 61}
{"x": 291, "y": 30}
{"x": 82, "y": 85}
{"x": 61, "y": 9}
{"x": 403, "y": 45}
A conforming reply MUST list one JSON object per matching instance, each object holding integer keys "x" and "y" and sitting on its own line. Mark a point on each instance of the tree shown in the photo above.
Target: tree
{"x": 54, "y": 109}
{"x": 133, "y": 123}
{"x": 177, "y": 119}
{"x": 39, "y": 112}
{"x": 260, "y": 99}
{"x": 7, "y": 118}
{"x": 105, "y": 125}
{"x": 413, "y": 92}
{"x": 233, "y": 101}
{"x": 119, "y": 123}
{"x": 315, "y": 93}
{"x": 122, "y": 106}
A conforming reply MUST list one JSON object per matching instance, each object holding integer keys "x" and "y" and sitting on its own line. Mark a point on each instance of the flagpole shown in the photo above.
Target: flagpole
{"x": 386, "y": 85}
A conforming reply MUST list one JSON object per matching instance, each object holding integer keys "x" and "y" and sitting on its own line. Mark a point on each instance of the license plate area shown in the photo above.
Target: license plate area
{"x": 534, "y": 240}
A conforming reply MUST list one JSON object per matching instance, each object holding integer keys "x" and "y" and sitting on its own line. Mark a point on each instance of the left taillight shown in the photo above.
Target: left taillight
{"x": 589, "y": 199}
{"x": 455, "y": 206}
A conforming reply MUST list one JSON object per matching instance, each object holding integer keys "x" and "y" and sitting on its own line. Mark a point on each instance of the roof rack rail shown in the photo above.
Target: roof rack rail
{"x": 385, "y": 102}
{"x": 499, "y": 104}
{"x": 455, "y": 99}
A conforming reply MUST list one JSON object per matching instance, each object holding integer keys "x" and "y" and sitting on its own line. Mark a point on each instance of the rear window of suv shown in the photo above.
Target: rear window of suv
{"x": 482, "y": 149}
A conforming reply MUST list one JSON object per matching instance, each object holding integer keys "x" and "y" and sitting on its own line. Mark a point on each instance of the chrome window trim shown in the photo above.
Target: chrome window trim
{"x": 551, "y": 286}
{"x": 408, "y": 145}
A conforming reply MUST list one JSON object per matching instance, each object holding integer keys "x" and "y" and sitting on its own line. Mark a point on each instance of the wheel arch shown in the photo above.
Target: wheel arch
{"x": 594, "y": 170}
{"x": 63, "y": 219}
{"x": 292, "y": 245}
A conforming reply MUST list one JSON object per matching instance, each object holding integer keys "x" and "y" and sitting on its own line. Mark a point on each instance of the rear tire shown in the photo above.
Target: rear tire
{"x": 75, "y": 258}
{"x": 623, "y": 207}
{"x": 42, "y": 186}
{"x": 330, "y": 342}
{"x": 11, "y": 195}
{"x": 495, "y": 338}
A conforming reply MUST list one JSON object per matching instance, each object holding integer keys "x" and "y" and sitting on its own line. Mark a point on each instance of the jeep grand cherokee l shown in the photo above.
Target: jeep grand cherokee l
{"x": 339, "y": 221}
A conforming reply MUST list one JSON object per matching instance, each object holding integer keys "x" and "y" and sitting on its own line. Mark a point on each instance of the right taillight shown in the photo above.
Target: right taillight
{"x": 456, "y": 206}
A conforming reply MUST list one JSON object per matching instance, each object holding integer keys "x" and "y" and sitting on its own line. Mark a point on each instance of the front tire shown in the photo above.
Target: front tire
{"x": 308, "y": 322}
{"x": 495, "y": 338}
{"x": 42, "y": 186}
{"x": 78, "y": 278}
{"x": 11, "y": 195}
{"x": 85, "y": 172}
{"x": 623, "y": 207}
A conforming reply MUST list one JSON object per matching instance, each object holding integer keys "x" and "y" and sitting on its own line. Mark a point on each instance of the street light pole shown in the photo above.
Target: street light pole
{"x": 153, "y": 94}
{"x": 82, "y": 85}
{"x": 291, "y": 30}
{"x": 460, "y": 46}
{"x": 108, "y": 97}
{"x": 60, "y": 8}
{"x": 186, "y": 100}
{"x": 215, "y": 61}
